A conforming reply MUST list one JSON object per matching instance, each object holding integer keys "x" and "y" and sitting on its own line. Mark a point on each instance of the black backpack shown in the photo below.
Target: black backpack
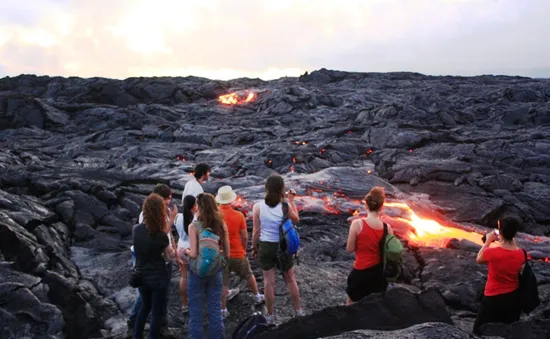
{"x": 528, "y": 289}
{"x": 251, "y": 326}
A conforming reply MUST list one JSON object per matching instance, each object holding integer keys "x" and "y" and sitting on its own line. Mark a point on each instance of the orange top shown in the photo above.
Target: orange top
{"x": 367, "y": 247}
{"x": 235, "y": 222}
{"x": 504, "y": 267}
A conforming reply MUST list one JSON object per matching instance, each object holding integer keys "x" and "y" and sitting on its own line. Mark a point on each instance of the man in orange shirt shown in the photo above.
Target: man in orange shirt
{"x": 238, "y": 239}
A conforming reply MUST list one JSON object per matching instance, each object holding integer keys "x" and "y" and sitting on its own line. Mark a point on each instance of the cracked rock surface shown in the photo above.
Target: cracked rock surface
{"x": 80, "y": 155}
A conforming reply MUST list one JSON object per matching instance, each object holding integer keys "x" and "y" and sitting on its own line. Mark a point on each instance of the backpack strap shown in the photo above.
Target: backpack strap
{"x": 284, "y": 207}
{"x": 383, "y": 243}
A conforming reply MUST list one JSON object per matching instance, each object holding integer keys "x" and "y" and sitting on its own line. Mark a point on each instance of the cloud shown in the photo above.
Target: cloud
{"x": 270, "y": 39}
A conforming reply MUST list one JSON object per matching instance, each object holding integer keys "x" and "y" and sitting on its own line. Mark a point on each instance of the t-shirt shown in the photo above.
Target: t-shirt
{"x": 504, "y": 267}
{"x": 140, "y": 220}
{"x": 192, "y": 187}
{"x": 235, "y": 222}
{"x": 149, "y": 249}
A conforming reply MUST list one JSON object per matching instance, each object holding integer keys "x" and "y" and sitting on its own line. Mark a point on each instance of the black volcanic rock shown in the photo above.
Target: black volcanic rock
{"x": 80, "y": 155}
{"x": 397, "y": 308}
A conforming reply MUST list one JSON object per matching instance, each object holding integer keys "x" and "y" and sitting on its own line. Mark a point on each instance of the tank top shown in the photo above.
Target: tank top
{"x": 270, "y": 220}
{"x": 367, "y": 250}
{"x": 183, "y": 241}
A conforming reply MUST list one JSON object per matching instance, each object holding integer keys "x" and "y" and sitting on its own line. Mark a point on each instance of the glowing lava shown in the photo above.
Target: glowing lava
{"x": 425, "y": 231}
{"x": 404, "y": 221}
{"x": 237, "y": 98}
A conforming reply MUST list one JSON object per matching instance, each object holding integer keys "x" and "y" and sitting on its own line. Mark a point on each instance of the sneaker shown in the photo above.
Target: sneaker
{"x": 185, "y": 309}
{"x": 129, "y": 329}
{"x": 259, "y": 299}
{"x": 165, "y": 333}
{"x": 270, "y": 320}
{"x": 232, "y": 293}
{"x": 225, "y": 313}
{"x": 299, "y": 313}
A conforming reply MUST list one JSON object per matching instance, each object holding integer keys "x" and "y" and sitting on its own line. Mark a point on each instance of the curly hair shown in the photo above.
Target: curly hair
{"x": 154, "y": 213}
{"x": 209, "y": 214}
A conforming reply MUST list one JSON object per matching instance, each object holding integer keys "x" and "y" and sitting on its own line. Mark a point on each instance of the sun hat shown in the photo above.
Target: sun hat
{"x": 225, "y": 195}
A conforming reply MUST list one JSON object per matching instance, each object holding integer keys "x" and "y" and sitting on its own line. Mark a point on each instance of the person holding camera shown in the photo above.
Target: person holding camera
{"x": 500, "y": 302}
{"x": 267, "y": 217}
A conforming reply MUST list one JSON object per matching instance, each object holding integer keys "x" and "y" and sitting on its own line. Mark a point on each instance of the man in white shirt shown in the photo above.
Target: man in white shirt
{"x": 194, "y": 186}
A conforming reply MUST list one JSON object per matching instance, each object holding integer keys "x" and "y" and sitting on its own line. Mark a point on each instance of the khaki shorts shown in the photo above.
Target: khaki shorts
{"x": 241, "y": 266}
{"x": 267, "y": 257}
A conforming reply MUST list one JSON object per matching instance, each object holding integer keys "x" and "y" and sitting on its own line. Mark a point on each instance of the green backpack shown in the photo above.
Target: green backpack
{"x": 390, "y": 254}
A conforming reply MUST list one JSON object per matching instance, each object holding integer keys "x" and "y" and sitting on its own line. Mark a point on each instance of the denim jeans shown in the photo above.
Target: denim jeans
{"x": 199, "y": 289}
{"x": 137, "y": 306}
{"x": 153, "y": 300}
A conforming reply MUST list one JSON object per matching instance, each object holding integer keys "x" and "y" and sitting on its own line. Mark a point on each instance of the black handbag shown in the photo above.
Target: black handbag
{"x": 528, "y": 288}
{"x": 136, "y": 279}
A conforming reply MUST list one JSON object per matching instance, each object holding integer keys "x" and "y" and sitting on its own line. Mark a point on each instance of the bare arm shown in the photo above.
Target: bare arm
{"x": 480, "y": 259}
{"x": 192, "y": 251}
{"x": 256, "y": 226}
{"x": 352, "y": 235}
{"x": 390, "y": 230}
{"x": 226, "y": 246}
{"x": 244, "y": 238}
{"x": 293, "y": 212}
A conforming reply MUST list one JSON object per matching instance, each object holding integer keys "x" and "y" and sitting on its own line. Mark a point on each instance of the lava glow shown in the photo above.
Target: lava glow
{"x": 237, "y": 98}
{"x": 425, "y": 231}
{"x": 404, "y": 221}
{"x": 407, "y": 224}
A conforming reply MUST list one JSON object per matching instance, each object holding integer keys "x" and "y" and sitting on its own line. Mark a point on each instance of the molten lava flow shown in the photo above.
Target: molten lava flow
{"x": 237, "y": 98}
{"x": 428, "y": 232}
{"x": 405, "y": 222}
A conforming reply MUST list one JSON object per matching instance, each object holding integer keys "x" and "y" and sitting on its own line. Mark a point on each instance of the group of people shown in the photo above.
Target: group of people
{"x": 164, "y": 237}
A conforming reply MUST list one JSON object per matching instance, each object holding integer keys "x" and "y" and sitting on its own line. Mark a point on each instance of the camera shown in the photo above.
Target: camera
{"x": 484, "y": 237}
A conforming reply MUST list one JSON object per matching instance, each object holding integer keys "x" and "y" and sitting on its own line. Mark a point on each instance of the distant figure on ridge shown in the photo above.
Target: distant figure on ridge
{"x": 364, "y": 238}
{"x": 238, "y": 240}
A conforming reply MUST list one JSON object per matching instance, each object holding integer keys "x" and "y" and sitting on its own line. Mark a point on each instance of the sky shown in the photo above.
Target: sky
{"x": 225, "y": 39}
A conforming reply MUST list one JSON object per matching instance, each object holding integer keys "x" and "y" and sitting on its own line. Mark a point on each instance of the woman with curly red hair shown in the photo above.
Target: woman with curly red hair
{"x": 152, "y": 249}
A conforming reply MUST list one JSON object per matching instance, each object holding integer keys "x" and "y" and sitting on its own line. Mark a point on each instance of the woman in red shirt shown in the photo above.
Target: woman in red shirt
{"x": 500, "y": 302}
{"x": 364, "y": 239}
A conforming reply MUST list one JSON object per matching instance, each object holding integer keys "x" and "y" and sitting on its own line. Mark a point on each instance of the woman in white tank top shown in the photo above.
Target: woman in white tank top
{"x": 182, "y": 224}
{"x": 268, "y": 215}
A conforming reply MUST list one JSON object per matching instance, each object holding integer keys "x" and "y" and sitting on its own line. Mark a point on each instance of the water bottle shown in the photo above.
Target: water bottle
{"x": 133, "y": 256}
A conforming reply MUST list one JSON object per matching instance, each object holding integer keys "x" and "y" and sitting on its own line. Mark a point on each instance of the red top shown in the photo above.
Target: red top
{"x": 504, "y": 266}
{"x": 235, "y": 222}
{"x": 367, "y": 247}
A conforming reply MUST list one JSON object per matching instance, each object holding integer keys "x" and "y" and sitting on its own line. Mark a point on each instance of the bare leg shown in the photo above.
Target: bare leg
{"x": 225, "y": 291}
{"x": 183, "y": 286}
{"x": 269, "y": 289}
{"x": 292, "y": 286}
{"x": 252, "y": 284}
